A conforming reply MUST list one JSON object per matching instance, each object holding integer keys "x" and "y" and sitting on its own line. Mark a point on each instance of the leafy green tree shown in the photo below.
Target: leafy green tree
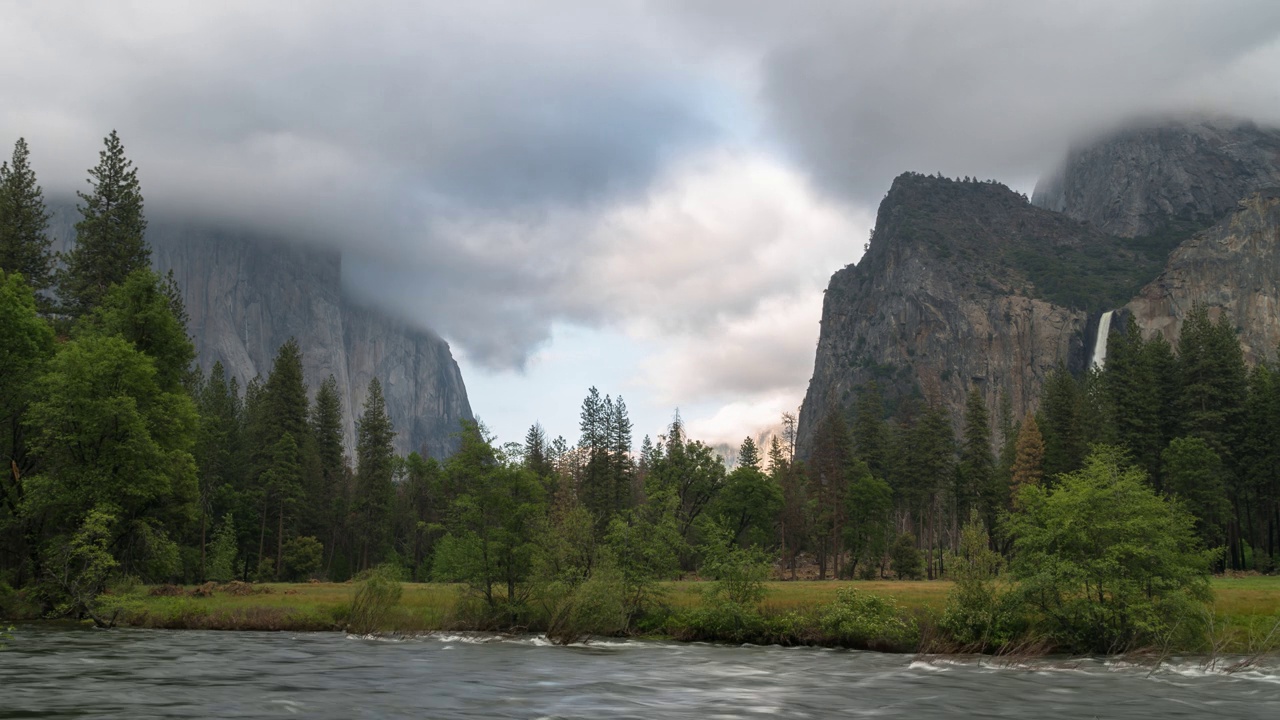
{"x": 645, "y": 545}
{"x": 24, "y": 244}
{"x": 301, "y": 558}
{"x": 978, "y": 616}
{"x": 375, "y": 467}
{"x": 110, "y": 242}
{"x": 80, "y": 565}
{"x": 691, "y": 475}
{"x": 1105, "y": 563}
{"x": 109, "y": 437}
{"x": 869, "y": 519}
{"x": 24, "y": 355}
{"x": 138, "y": 309}
{"x": 493, "y": 525}
{"x": 750, "y": 501}
{"x": 908, "y": 563}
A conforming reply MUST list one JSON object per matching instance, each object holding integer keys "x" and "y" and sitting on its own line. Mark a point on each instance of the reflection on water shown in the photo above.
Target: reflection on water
{"x": 61, "y": 672}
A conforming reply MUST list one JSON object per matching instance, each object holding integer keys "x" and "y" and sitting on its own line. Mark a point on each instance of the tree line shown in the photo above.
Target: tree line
{"x": 125, "y": 459}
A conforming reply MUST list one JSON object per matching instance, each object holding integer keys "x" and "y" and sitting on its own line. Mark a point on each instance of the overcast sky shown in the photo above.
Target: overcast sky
{"x": 644, "y": 196}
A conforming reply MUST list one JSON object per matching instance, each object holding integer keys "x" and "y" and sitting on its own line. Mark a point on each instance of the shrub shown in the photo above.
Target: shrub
{"x": 374, "y": 600}
{"x": 221, "y": 563}
{"x": 978, "y": 616}
{"x": 1108, "y": 565}
{"x": 302, "y": 558}
{"x": 908, "y": 563}
{"x": 861, "y": 620}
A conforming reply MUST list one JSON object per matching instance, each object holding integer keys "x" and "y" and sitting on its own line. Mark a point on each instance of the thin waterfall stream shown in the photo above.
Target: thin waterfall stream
{"x": 1100, "y": 341}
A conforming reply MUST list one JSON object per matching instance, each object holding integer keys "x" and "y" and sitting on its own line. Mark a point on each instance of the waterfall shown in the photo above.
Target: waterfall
{"x": 1100, "y": 342}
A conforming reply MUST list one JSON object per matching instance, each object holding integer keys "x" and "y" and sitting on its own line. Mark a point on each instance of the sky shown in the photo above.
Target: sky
{"x": 647, "y": 197}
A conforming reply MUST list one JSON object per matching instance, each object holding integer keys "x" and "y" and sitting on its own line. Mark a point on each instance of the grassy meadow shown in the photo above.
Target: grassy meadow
{"x": 1246, "y": 609}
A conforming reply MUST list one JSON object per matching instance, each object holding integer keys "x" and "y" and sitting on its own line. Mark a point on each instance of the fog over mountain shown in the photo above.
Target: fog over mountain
{"x": 647, "y": 196}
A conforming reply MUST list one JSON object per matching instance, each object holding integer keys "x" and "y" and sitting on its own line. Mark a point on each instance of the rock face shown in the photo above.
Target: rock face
{"x": 1233, "y": 266}
{"x": 966, "y": 284}
{"x": 945, "y": 299}
{"x": 1134, "y": 182}
{"x": 247, "y": 294}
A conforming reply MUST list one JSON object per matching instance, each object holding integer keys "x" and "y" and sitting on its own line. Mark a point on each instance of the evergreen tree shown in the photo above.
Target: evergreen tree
{"x": 1214, "y": 382}
{"x": 870, "y": 435}
{"x": 24, "y": 244}
{"x": 216, "y": 453}
{"x": 976, "y": 478}
{"x": 1133, "y": 396}
{"x": 597, "y": 486}
{"x": 749, "y": 504}
{"x": 375, "y": 467}
{"x": 328, "y": 490}
{"x": 140, "y": 310}
{"x": 110, "y": 241}
{"x": 829, "y": 475}
{"x": 1060, "y": 424}
{"x": 622, "y": 468}
{"x": 1028, "y": 465}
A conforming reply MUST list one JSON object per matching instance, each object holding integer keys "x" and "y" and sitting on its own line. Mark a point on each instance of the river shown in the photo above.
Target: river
{"x": 51, "y": 671}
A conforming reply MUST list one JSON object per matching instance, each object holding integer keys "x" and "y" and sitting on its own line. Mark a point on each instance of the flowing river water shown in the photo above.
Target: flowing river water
{"x": 50, "y": 671}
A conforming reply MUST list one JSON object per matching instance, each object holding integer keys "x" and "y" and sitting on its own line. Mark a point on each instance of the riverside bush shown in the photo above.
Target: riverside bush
{"x": 378, "y": 594}
{"x": 1104, "y": 564}
{"x": 861, "y": 620}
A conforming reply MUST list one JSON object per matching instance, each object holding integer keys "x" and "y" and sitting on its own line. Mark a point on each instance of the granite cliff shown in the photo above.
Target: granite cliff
{"x": 1136, "y": 181}
{"x": 965, "y": 284}
{"x": 1234, "y": 266}
{"x": 247, "y": 293}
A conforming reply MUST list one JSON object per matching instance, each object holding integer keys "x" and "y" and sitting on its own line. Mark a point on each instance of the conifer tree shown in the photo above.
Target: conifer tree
{"x": 375, "y": 467}
{"x": 1028, "y": 464}
{"x": 976, "y": 479}
{"x": 24, "y": 244}
{"x": 622, "y": 468}
{"x": 110, "y": 242}
{"x": 1060, "y": 424}
{"x": 829, "y": 469}
{"x": 870, "y": 435}
{"x": 328, "y": 490}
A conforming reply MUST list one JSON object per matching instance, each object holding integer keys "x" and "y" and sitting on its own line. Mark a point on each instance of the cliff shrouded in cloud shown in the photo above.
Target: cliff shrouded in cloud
{"x": 474, "y": 164}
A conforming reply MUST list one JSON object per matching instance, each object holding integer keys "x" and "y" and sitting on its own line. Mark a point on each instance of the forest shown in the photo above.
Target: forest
{"x": 125, "y": 460}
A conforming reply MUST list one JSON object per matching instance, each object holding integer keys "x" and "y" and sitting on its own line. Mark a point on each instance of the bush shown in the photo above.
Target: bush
{"x": 977, "y": 617}
{"x": 302, "y": 558}
{"x": 221, "y": 563}
{"x": 374, "y": 600}
{"x": 1106, "y": 564}
{"x": 908, "y": 563}
{"x": 861, "y": 620}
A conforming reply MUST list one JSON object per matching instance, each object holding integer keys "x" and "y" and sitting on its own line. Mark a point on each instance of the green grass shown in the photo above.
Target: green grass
{"x": 1246, "y": 610}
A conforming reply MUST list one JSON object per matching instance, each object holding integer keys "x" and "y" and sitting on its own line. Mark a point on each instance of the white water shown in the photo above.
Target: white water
{"x": 1100, "y": 342}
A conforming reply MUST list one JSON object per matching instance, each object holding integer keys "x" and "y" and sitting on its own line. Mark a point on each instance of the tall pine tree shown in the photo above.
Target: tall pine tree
{"x": 24, "y": 245}
{"x": 110, "y": 237}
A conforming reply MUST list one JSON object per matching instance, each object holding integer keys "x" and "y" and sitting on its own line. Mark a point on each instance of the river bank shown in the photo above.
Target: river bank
{"x": 1246, "y": 611}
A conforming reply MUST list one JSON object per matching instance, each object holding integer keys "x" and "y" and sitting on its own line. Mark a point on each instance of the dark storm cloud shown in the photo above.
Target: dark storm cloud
{"x": 863, "y": 91}
{"x": 491, "y": 168}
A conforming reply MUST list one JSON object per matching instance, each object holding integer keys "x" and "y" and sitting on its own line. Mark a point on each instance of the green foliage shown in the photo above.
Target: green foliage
{"x": 862, "y": 620}
{"x": 748, "y": 505}
{"x": 109, "y": 236}
{"x": 978, "y": 615}
{"x": 1107, "y": 564}
{"x": 139, "y": 310}
{"x": 301, "y": 558}
{"x": 375, "y": 467}
{"x": 374, "y": 600}
{"x": 222, "y": 552}
{"x": 908, "y": 563}
{"x": 644, "y": 546}
{"x": 869, "y": 527}
{"x": 1194, "y": 474}
{"x": 24, "y": 243}
{"x": 78, "y": 567}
